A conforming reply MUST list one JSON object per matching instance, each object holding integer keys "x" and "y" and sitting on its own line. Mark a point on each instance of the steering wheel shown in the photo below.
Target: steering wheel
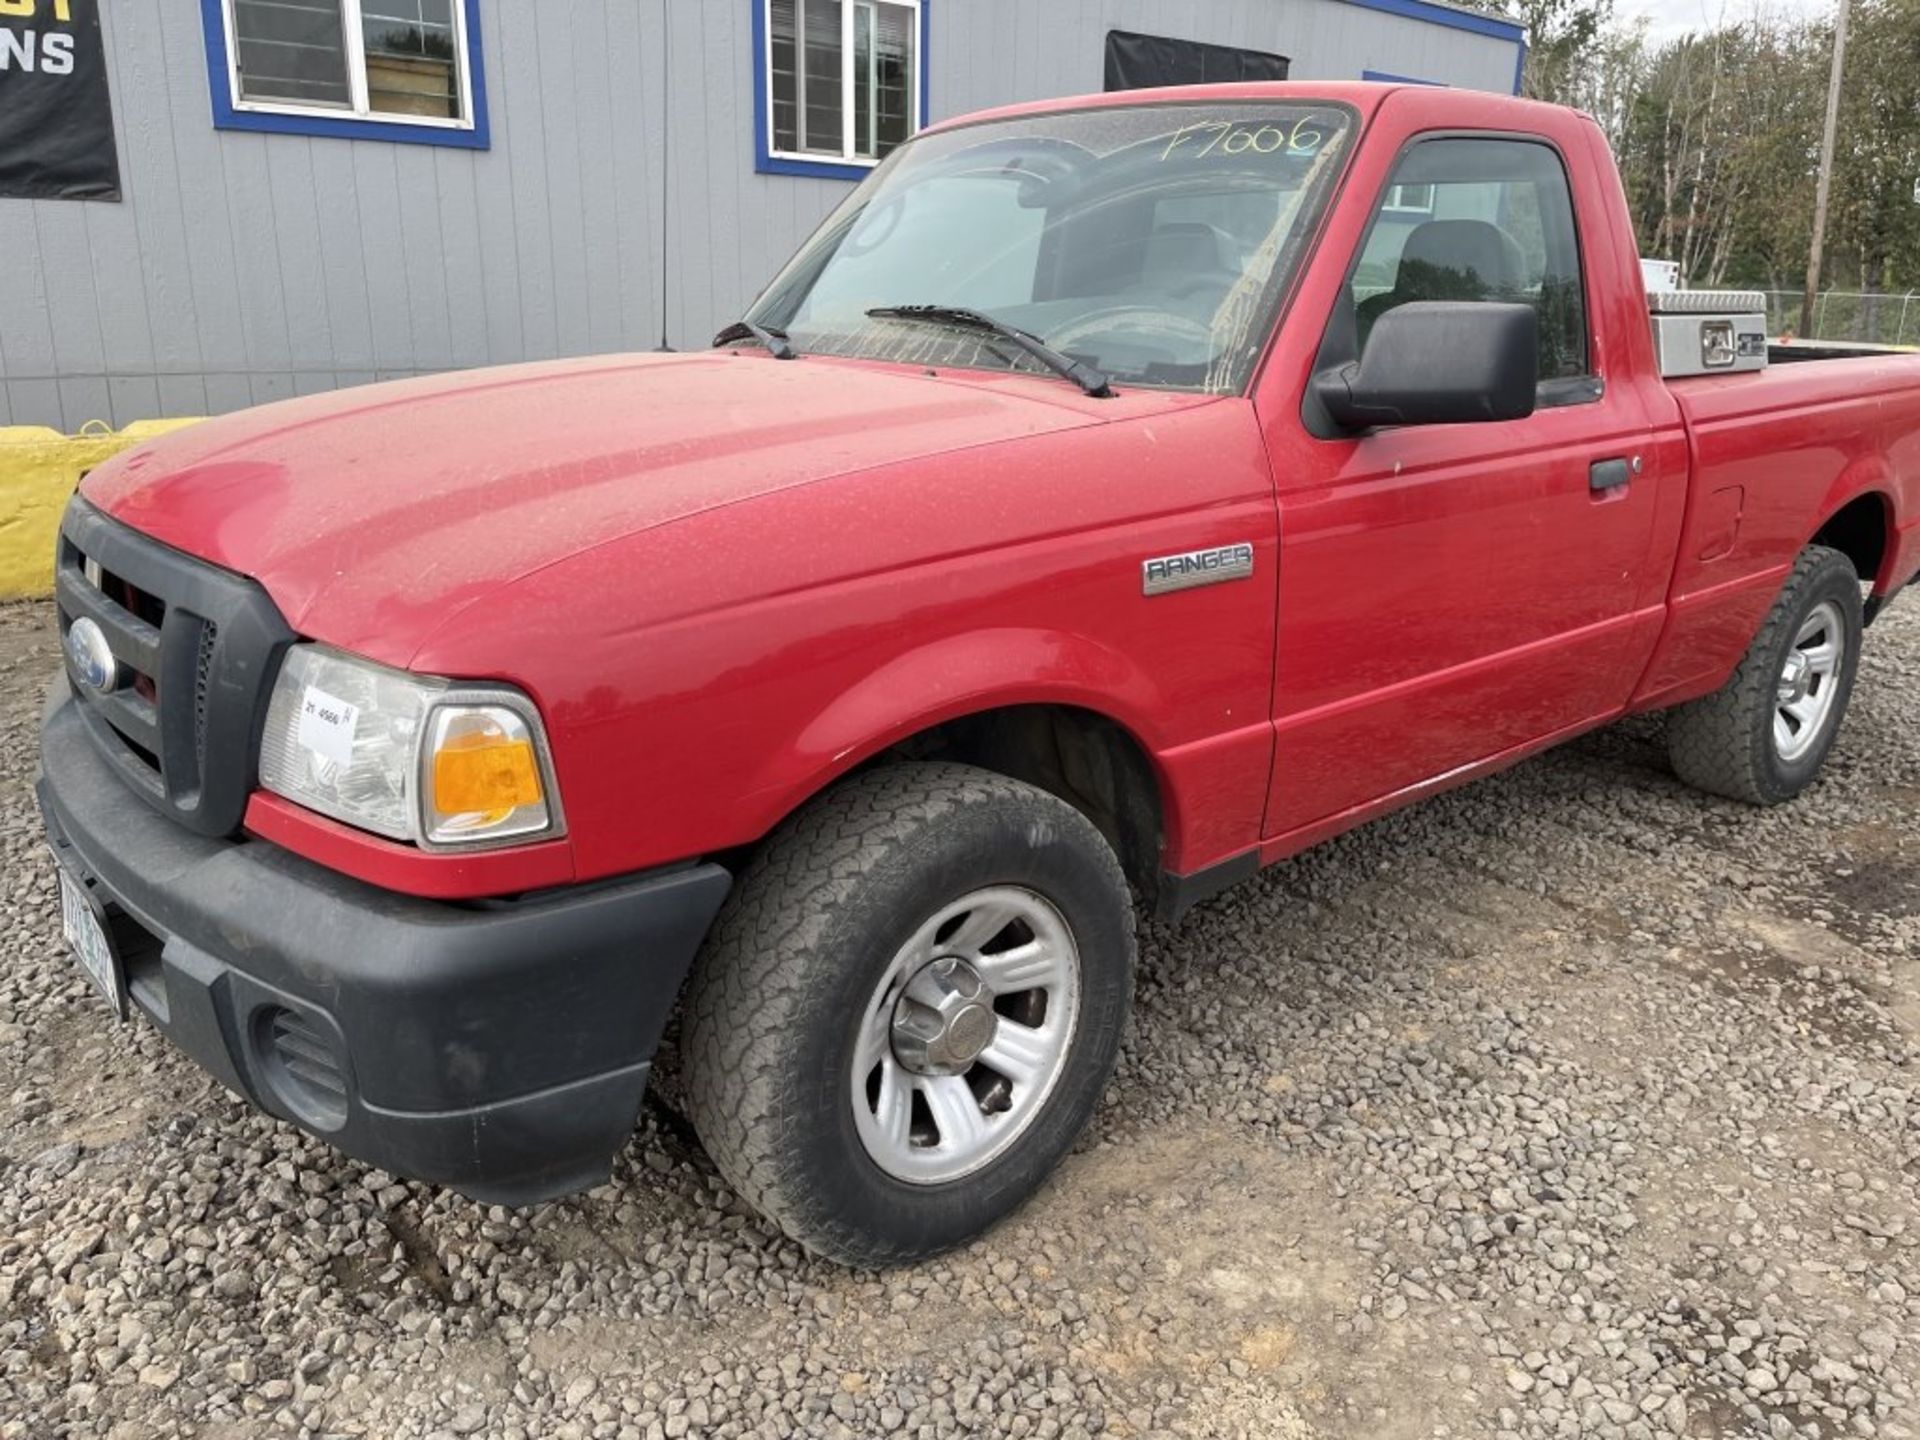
{"x": 1095, "y": 321}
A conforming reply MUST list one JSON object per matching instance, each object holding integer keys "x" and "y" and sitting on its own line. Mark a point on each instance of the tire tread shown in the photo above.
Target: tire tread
{"x": 746, "y": 987}
{"x": 1712, "y": 742}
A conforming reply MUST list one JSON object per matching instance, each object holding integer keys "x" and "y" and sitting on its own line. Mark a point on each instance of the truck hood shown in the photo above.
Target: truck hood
{"x": 371, "y": 515}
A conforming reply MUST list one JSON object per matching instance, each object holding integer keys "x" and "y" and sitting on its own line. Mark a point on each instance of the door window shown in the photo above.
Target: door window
{"x": 1479, "y": 220}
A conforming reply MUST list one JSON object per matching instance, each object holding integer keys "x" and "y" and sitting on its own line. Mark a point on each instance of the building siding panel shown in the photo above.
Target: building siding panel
{"x": 299, "y": 247}
{"x": 424, "y": 256}
{"x": 198, "y": 179}
{"x": 557, "y": 77}
{"x": 342, "y": 273}
{"x": 72, "y": 301}
{"x": 633, "y": 69}
{"x": 519, "y": 122}
{"x": 26, "y": 339}
{"x": 460, "y": 265}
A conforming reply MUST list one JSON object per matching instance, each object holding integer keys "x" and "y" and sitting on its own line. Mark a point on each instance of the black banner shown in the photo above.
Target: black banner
{"x": 1140, "y": 62}
{"x": 56, "y": 117}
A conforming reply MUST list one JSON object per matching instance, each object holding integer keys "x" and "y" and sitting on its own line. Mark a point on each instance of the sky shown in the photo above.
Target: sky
{"x": 1668, "y": 18}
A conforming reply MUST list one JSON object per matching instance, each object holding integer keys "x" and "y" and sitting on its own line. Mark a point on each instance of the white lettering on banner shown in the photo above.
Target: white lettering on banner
{"x": 27, "y": 50}
{"x": 49, "y": 51}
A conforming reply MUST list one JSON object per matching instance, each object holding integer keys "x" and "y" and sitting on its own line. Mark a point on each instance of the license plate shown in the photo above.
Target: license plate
{"x": 87, "y": 936}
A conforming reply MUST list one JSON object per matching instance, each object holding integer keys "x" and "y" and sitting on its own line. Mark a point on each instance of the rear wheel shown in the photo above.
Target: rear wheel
{"x": 909, "y": 1009}
{"x": 1763, "y": 736}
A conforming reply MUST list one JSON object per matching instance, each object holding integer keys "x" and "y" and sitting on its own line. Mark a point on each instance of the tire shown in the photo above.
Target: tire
{"x": 790, "y": 999}
{"x": 1727, "y": 743}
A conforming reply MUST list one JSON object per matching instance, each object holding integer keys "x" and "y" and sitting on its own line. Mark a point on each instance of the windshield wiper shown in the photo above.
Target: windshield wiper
{"x": 775, "y": 340}
{"x": 1089, "y": 378}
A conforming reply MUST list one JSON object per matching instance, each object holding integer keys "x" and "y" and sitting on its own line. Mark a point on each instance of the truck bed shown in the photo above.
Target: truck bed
{"x": 1770, "y": 449}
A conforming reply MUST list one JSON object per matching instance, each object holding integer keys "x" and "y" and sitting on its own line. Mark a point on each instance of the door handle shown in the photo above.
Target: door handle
{"x": 1606, "y": 475}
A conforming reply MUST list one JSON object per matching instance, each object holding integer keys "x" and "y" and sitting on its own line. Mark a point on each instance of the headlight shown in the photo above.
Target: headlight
{"x": 405, "y": 756}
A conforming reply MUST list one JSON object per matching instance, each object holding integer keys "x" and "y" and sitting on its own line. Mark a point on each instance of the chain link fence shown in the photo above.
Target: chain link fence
{"x": 1861, "y": 317}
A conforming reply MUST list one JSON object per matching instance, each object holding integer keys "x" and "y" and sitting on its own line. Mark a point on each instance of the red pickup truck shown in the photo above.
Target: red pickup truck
{"x": 1115, "y": 496}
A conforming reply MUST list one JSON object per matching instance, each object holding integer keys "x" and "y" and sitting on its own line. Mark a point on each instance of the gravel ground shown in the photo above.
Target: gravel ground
{"x": 1570, "y": 1104}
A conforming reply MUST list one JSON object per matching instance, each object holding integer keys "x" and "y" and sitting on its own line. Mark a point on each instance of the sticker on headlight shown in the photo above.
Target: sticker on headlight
{"x": 327, "y": 725}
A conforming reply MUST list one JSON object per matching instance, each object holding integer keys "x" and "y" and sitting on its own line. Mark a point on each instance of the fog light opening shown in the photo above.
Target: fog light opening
{"x": 302, "y": 1066}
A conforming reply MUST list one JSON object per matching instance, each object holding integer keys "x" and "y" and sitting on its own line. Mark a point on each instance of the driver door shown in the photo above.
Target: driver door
{"x": 1453, "y": 594}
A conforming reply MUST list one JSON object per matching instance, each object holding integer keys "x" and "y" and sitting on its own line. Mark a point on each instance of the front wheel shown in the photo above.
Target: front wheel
{"x": 909, "y": 1009}
{"x": 1763, "y": 736}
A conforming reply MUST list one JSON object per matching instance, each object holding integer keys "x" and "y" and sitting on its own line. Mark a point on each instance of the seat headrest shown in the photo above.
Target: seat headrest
{"x": 1186, "y": 248}
{"x": 1466, "y": 248}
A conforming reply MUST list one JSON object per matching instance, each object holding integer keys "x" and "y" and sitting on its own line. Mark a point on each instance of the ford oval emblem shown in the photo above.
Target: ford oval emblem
{"x": 92, "y": 656}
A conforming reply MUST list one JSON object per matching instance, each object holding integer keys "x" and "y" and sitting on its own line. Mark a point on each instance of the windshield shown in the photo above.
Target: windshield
{"x": 1149, "y": 241}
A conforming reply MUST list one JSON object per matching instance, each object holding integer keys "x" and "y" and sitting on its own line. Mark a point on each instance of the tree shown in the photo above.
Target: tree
{"x": 1875, "y": 229}
{"x": 1716, "y": 152}
{"x": 1561, "y": 38}
{"x": 1560, "y": 35}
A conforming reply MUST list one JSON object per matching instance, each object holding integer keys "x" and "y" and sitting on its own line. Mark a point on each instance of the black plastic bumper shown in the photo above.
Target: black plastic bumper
{"x": 500, "y": 1048}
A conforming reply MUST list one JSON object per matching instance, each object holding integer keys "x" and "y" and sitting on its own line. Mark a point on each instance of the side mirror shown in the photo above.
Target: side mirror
{"x": 1438, "y": 362}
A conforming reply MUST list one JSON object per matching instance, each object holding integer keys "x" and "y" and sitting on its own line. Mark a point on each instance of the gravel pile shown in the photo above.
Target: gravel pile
{"x": 1572, "y": 1104}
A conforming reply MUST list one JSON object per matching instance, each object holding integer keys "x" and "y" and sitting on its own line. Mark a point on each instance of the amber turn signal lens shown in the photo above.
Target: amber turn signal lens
{"x": 485, "y": 776}
{"x": 484, "y": 773}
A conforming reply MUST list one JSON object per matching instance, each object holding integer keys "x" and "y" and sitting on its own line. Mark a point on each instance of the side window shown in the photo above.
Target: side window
{"x": 1479, "y": 220}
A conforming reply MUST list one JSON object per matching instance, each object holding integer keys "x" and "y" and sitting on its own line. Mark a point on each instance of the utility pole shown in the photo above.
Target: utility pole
{"x": 1825, "y": 182}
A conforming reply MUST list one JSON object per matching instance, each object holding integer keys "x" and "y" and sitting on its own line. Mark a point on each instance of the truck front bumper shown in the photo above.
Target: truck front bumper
{"x": 498, "y": 1047}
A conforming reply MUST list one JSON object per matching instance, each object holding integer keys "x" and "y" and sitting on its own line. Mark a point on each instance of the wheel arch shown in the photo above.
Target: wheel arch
{"x": 1056, "y": 711}
{"x": 1080, "y": 755}
{"x": 1858, "y": 521}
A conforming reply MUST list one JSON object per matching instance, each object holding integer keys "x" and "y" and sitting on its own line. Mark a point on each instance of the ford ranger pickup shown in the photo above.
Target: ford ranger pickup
{"x": 1115, "y": 496}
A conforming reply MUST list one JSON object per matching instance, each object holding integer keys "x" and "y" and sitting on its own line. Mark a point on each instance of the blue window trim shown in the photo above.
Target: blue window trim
{"x": 765, "y": 162}
{"x": 226, "y": 117}
{"x": 1383, "y": 77}
{"x": 1491, "y": 26}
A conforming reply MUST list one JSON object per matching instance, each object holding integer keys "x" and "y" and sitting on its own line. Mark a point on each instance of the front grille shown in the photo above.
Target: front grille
{"x": 196, "y": 646}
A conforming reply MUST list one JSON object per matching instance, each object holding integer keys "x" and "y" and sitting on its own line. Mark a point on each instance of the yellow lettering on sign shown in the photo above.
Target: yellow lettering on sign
{"x": 62, "y": 9}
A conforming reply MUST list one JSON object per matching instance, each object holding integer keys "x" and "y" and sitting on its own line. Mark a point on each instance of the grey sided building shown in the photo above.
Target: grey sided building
{"x": 296, "y": 195}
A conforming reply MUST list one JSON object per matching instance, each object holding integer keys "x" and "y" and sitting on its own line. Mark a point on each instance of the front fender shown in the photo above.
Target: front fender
{"x": 1207, "y": 811}
{"x": 945, "y": 679}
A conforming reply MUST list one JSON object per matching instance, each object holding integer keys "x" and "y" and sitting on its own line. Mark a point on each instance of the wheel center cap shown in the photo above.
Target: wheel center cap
{"x": 944, "y": 1019}
{"x": 1796, "y": 679}
{"x": 970, "y": 1031}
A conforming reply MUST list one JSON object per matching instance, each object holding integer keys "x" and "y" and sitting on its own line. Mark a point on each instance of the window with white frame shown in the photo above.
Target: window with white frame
{"x": 843, "y": 78}
{"x": 399, "y": 60}
{"x": 1410, "y": 200}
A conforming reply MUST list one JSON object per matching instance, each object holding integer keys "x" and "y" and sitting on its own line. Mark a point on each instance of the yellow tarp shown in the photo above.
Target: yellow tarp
{"x": 38, "y": 470}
